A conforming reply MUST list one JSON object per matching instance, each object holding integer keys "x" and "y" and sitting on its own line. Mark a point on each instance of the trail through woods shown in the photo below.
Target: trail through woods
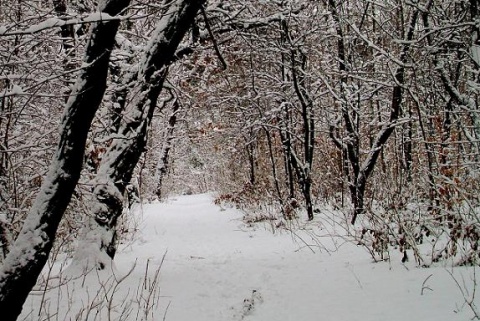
{"x": 215, "y": 267}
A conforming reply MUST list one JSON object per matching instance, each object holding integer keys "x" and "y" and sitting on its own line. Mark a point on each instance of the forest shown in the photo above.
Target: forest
{"x": 277, "y": 106}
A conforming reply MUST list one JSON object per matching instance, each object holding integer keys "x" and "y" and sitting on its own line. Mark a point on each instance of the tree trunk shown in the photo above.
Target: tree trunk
{"x": 163, "y": 162}
{"x": 66, "y": 31}
{"x": 30, "y": 251}
{"x": 301, "y": 164}
{"x": 362, "y": 171}
{"x": 308, "y": 198}
{"x": 98, "y": 247}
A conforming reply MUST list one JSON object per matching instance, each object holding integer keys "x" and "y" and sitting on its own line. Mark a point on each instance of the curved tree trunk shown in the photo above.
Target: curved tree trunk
{"x": 30, "y": 251}
{"x": 98, "y": 247}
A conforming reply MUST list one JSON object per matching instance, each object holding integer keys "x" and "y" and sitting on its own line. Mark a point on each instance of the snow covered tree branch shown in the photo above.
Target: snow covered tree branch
{"x": 30, "y": 251}
{"x": 127, "y": 146}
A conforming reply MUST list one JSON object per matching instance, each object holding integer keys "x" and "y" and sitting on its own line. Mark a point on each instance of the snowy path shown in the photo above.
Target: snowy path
{"x": 215, "y": 267}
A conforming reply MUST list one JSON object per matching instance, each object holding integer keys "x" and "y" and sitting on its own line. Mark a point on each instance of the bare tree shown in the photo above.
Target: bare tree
{"x": 164, "y": 161}
{"x": 30, "y": 251}
{"x": 128, "y": 144}
{"x": 350, "y": 146}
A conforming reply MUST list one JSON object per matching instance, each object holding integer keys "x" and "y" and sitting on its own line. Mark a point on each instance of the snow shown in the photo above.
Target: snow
{"x": 48, "y": 23}
{"x": 15, "y": 91}
{"x": 476, "y": 53}
{"x": 215, "y": 267}
{"x": 54, "y": 22}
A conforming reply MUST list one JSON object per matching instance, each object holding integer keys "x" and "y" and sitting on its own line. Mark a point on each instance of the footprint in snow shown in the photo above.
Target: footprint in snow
{"x": 249, "y": 305}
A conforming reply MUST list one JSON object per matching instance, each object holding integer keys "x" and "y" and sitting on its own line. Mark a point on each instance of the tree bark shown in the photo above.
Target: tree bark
{"x": 115, "y": 172}
{"x": 30, "y": 251}
{"x": 302, "y": 162}
{"x": 163, "y": 162}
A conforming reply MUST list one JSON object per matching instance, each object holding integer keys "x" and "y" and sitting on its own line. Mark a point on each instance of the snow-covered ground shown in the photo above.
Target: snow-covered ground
{"x": 214, "y": 267}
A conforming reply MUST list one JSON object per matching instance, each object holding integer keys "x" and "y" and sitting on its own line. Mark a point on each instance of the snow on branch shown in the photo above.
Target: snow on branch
{"x": 233, "y": 22}
{"x": 55, "y": 22}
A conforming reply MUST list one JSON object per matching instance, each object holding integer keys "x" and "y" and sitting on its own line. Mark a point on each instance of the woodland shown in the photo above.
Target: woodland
{"x": 276, "y": 106}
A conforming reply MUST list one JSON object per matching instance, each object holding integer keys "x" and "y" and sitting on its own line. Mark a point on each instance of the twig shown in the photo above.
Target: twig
{"x": 214, "y": 40}
{"x": 426, "y": 287}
